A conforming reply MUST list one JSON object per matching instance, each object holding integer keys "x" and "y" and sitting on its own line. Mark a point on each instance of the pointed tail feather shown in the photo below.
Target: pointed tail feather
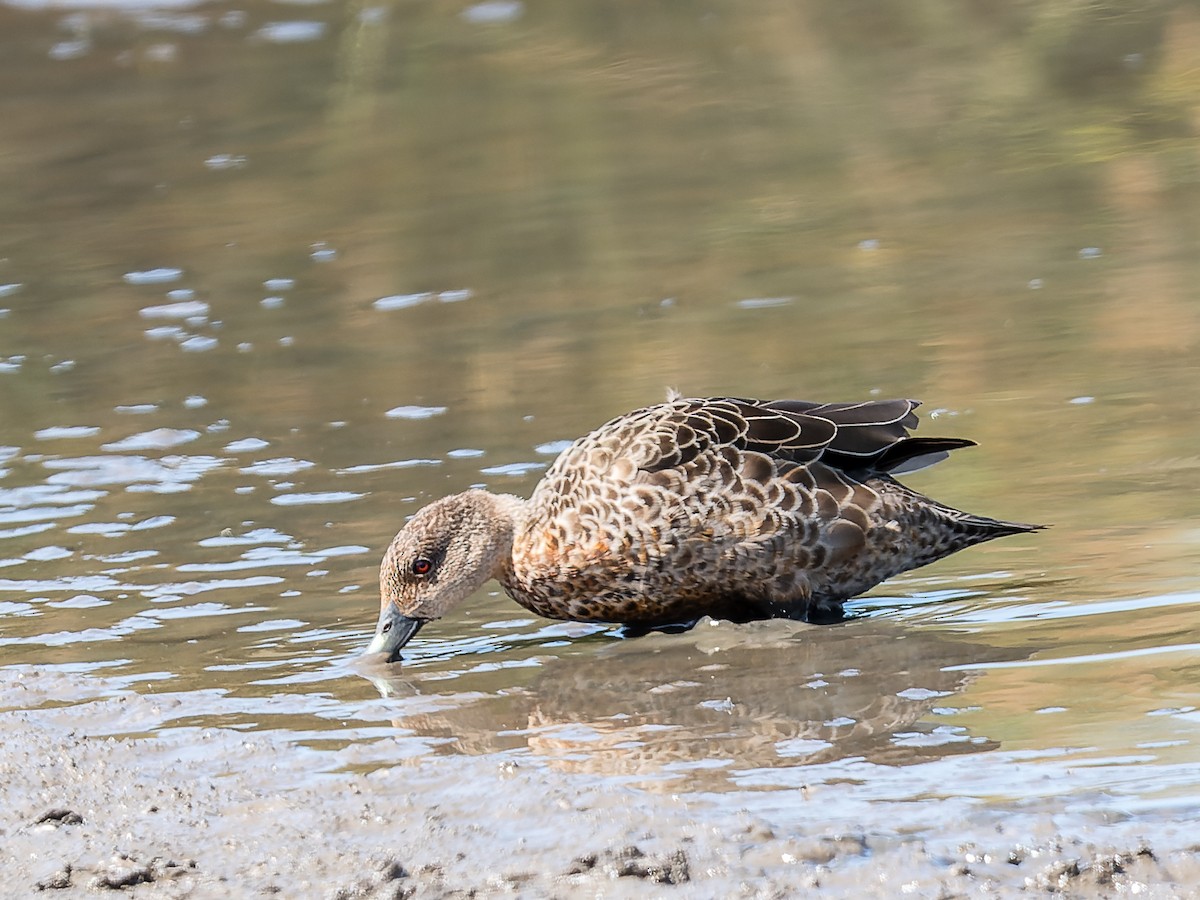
{"x": 936, "y": 530}
{"x": 986, "y": 528}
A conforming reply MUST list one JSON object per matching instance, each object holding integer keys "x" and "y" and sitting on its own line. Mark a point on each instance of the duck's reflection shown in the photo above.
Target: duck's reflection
{"x": 719, "y": 699}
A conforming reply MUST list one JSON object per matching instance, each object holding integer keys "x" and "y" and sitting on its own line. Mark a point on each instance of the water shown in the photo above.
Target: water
{"x": 274, "y": 276}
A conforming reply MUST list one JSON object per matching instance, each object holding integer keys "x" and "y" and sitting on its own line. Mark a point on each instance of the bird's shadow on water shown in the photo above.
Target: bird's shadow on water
{"x": 717, "y": 697}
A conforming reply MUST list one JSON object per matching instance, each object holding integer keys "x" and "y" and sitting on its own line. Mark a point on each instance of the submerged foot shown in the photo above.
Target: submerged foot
{"x": 637, "y": 631}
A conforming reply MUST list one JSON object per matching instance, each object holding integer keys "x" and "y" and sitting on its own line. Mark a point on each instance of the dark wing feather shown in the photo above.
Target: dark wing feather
{"x": 864, "y": 430}
{"x": 873, "y": 435}
{"x": 870, "y": 436}
{"x": 793, "y": 436}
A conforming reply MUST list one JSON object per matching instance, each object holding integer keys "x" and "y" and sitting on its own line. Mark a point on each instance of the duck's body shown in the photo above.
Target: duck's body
{"x": 737, "y": 509}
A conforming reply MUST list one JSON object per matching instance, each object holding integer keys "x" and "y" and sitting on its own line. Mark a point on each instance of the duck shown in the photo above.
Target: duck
{"x": 726, "y": 507}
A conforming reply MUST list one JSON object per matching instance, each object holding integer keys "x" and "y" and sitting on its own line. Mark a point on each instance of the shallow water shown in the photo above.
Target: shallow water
{"x": 275, "y": 275}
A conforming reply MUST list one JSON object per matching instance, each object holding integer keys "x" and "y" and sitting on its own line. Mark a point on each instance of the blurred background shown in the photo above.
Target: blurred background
{"x": 275, "y": 274}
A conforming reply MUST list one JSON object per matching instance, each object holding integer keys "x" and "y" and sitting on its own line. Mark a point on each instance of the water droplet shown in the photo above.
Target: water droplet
{"x": 157, "y": 439}
{"x": 493, "y": 12}
{"x": 221, "y": 162}
{"x": 322, "y": 252}
{"x": 245, "y": 445}
{"x": 414, "y": 412}
{"x": 316, "y": 497}
{"x": 153, "y": 276}
{"x": 186, "y": 309}
{"x": 66, "y": 432}
{"x": 515, "y": 469}
{"x": 70, "y": 49}
{"x": 552, "y": 448}
{"x": 291, "y": 32}
{"x": 401, "y": 301}
{"x": 763, "y": 302}
{"x": 199, "y": 343}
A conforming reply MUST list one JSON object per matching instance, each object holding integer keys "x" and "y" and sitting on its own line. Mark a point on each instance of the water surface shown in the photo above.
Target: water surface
{"x": 275, "y": 275}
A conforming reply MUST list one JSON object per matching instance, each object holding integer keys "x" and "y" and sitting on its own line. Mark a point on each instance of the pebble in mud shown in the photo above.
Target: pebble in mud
{"x": 123, "y": 871}
{"x": 58, "y": 816}
{"x": 386, "y": 882}
{"x": 1108, "y": 867}
{"x": 1104, "y": 870}
{"x": 826, "y": 850}
{"x": 58, "y": 880}
{"x": 631, "y": 861}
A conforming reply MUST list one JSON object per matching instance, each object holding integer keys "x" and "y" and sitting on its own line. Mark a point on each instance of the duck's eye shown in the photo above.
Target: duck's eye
{"x": 421, "y": 566}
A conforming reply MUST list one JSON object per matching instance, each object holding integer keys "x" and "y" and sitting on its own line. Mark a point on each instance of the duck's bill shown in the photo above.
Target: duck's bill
{"x": 393, "y": 632}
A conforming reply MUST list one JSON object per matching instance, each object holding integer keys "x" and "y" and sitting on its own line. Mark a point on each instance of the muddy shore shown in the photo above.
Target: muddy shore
{"x": 211, "y": 812}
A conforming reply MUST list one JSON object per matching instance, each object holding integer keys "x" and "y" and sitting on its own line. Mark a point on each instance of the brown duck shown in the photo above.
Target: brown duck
{"x": 731, "y": 508}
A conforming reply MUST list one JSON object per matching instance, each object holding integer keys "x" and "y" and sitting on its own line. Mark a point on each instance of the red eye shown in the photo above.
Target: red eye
{"x": 421, "y": 566}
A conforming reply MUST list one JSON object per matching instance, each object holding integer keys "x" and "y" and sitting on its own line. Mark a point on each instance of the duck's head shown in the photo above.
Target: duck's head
{"x": 446, "y": 552}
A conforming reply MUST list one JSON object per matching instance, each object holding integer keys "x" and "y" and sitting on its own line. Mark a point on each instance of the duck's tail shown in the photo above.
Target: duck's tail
{"x": 967, "y": 529}
{"x": 935, "y": 530}
{"x": 977, "y": 529}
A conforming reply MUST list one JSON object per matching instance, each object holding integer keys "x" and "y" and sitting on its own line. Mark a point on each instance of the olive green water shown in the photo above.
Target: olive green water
{"x": 274, "y": 275}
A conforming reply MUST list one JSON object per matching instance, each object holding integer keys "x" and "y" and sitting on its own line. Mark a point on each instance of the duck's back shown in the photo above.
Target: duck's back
{"x": 733, "y": 508}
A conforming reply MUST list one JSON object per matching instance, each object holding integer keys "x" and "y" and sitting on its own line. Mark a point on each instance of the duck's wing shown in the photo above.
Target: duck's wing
{"x": 868, "y": 437}
{"x": 675, "y": 434}
{"x": 864, "y": 430}
{"x": 874, "y": 435}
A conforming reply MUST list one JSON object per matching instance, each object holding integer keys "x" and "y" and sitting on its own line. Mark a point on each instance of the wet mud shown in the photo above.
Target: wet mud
{"x": 214, "y": 812}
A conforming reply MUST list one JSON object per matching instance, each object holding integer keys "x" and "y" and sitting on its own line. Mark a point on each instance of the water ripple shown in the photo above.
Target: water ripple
{"x": 170, "y": 473}
{"x": 157, "y": 439}
{"x": 316, "y": 497}
{"x": 285, "y": 465}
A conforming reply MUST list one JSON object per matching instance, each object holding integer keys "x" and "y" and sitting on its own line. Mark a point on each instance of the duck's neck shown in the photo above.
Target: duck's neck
{"x": 509, "y": 507}
{"x": 505, "y": 515}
